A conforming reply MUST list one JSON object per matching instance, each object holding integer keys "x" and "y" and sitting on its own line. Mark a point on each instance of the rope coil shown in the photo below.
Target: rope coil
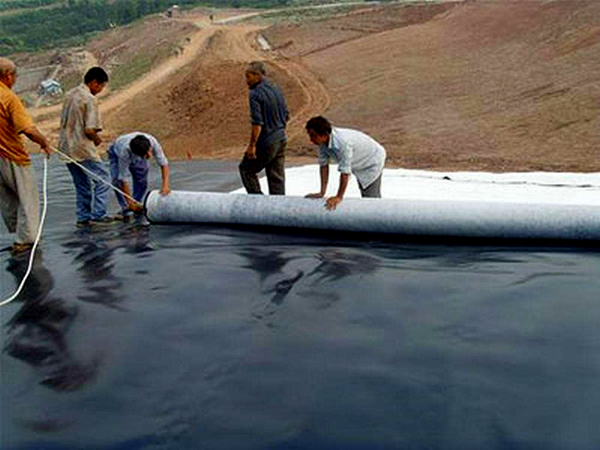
{"x": 43, "y": 216}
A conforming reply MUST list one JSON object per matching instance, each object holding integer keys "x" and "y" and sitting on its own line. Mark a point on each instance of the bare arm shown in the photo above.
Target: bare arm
{"x": 254, "y": 133}
{"x": 324, "y": 175}
{"x": 165, "y": 173}
{"x": 92, "y": 135}
{"x": 36, "y": 136}
{"x": 332, "y": 202}
{"x": 134, "y": 206}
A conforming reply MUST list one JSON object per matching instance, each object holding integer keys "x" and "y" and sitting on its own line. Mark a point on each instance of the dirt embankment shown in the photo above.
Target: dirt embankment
{"x": 196, "y": 101}
{"x": 477, "y": 85}
{"x": 499, "y": 86}
{"x": 202, "y": 109}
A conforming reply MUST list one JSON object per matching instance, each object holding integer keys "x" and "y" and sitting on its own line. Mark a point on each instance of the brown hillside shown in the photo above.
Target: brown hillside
{"x": 496, "y": 86}
{"x": 202, "y": 110}
{"x": 477, "y": 85}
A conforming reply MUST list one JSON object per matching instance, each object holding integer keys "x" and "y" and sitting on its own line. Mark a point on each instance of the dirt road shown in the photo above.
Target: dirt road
{"x": 224, "y": 40}
{"x": 112, "y": 101}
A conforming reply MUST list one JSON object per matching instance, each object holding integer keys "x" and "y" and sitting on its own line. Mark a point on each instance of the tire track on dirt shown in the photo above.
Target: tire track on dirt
{"x": 241, "y": 46}
{"x": 318, "y": 98}
{"x": 220, "y": 42}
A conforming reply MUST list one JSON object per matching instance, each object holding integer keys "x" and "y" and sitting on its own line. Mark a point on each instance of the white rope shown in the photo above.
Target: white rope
{"x": 37, "y": 239}
{"x": 92, "y": 174}
{"x": 43, "y": 216}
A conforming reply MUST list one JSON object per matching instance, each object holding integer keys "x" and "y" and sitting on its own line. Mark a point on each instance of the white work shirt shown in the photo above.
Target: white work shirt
{"x": 356, "y": 153}
{"x": 125, "y": 156}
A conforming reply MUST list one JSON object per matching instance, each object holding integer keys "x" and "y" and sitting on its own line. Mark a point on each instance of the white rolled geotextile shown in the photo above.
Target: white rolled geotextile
{"x": 390, "y": 216}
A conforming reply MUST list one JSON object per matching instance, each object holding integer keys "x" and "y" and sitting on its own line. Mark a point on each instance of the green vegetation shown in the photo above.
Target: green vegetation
{"x": 140, "y": 64}
{"x": 23, "y": 4}
{"x": 73, "y": 20}
{"x": 302, "y": 14}
{"x": 71, "y": 79}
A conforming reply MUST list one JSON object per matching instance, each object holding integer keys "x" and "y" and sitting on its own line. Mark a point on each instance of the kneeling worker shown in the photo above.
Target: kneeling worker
{"x": 130, "y": 153}
{"x": 354, "y": 151}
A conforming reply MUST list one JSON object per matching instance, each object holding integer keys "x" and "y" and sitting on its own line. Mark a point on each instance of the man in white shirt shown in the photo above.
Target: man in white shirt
{"x": 355, "y": 152}
{"x": 128, "y": 155}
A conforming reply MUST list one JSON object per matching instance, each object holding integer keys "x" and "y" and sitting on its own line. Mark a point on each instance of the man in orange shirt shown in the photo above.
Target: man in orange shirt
{"x": 19, "y": 199}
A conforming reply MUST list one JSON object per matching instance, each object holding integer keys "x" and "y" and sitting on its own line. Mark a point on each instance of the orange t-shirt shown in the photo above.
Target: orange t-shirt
{"x": 14, "y": 119}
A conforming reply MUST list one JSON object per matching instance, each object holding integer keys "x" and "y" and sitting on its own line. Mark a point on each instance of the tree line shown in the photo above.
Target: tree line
{"x": 74, "y": 20}
{"x": 6, "y": 5}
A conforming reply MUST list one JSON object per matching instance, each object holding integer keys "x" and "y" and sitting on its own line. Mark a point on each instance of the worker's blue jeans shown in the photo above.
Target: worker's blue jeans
{"x": 92, "y": 194}
{"x": 139, "y": 174}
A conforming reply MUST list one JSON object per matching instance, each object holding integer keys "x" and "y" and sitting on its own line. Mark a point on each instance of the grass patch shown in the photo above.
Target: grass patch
{"x": 302, "y": 14}
{"x": 139, "y": 65}
{"x": 71, "y": 79}
{"x": 7, "y": 5}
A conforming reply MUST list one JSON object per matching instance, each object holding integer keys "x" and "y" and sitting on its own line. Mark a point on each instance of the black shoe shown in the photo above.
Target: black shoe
{"x": 125, "y": 216}
{"x": 106, "y": 220}
{"x": 83, "y": 223}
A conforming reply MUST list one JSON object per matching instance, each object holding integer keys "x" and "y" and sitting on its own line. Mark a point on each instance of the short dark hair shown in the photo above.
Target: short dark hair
{"x": 140, "y": 145}
{"x": 257, "y": 67}
{"x": 96, "y": 74}
{"x": 319, "y": 125}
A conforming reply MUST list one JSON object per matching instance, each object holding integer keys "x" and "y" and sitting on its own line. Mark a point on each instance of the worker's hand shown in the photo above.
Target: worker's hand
{"x": 251, "y": 152}
{"x": 332, "y": 202}
{"x": 136, "y": 207}
{"x": 166, "y": 190}
{"x": 315, "y": 195}
{"x": 46, "y": 149}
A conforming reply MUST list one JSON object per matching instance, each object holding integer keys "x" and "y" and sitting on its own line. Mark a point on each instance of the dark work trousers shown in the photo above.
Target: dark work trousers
{"x": 373, "y": 190}
{"x": 272, "y": 159}
{"x": 139, "y": 175}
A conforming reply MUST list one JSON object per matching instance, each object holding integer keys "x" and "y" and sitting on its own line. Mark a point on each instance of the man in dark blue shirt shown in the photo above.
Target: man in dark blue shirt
{"x": 268, "y": 141}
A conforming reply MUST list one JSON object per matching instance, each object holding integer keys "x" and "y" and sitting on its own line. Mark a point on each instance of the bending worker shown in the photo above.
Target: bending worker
{"x": 129, "y": 154}
{"x": 19, "y": 199}
{"x": 354, "y": 151}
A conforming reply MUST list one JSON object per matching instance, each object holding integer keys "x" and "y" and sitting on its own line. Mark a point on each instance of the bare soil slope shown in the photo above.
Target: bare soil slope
{"x": 497, "y": 85}
{"x": 202, "y": 109}
{"x": 500, "y": 86}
